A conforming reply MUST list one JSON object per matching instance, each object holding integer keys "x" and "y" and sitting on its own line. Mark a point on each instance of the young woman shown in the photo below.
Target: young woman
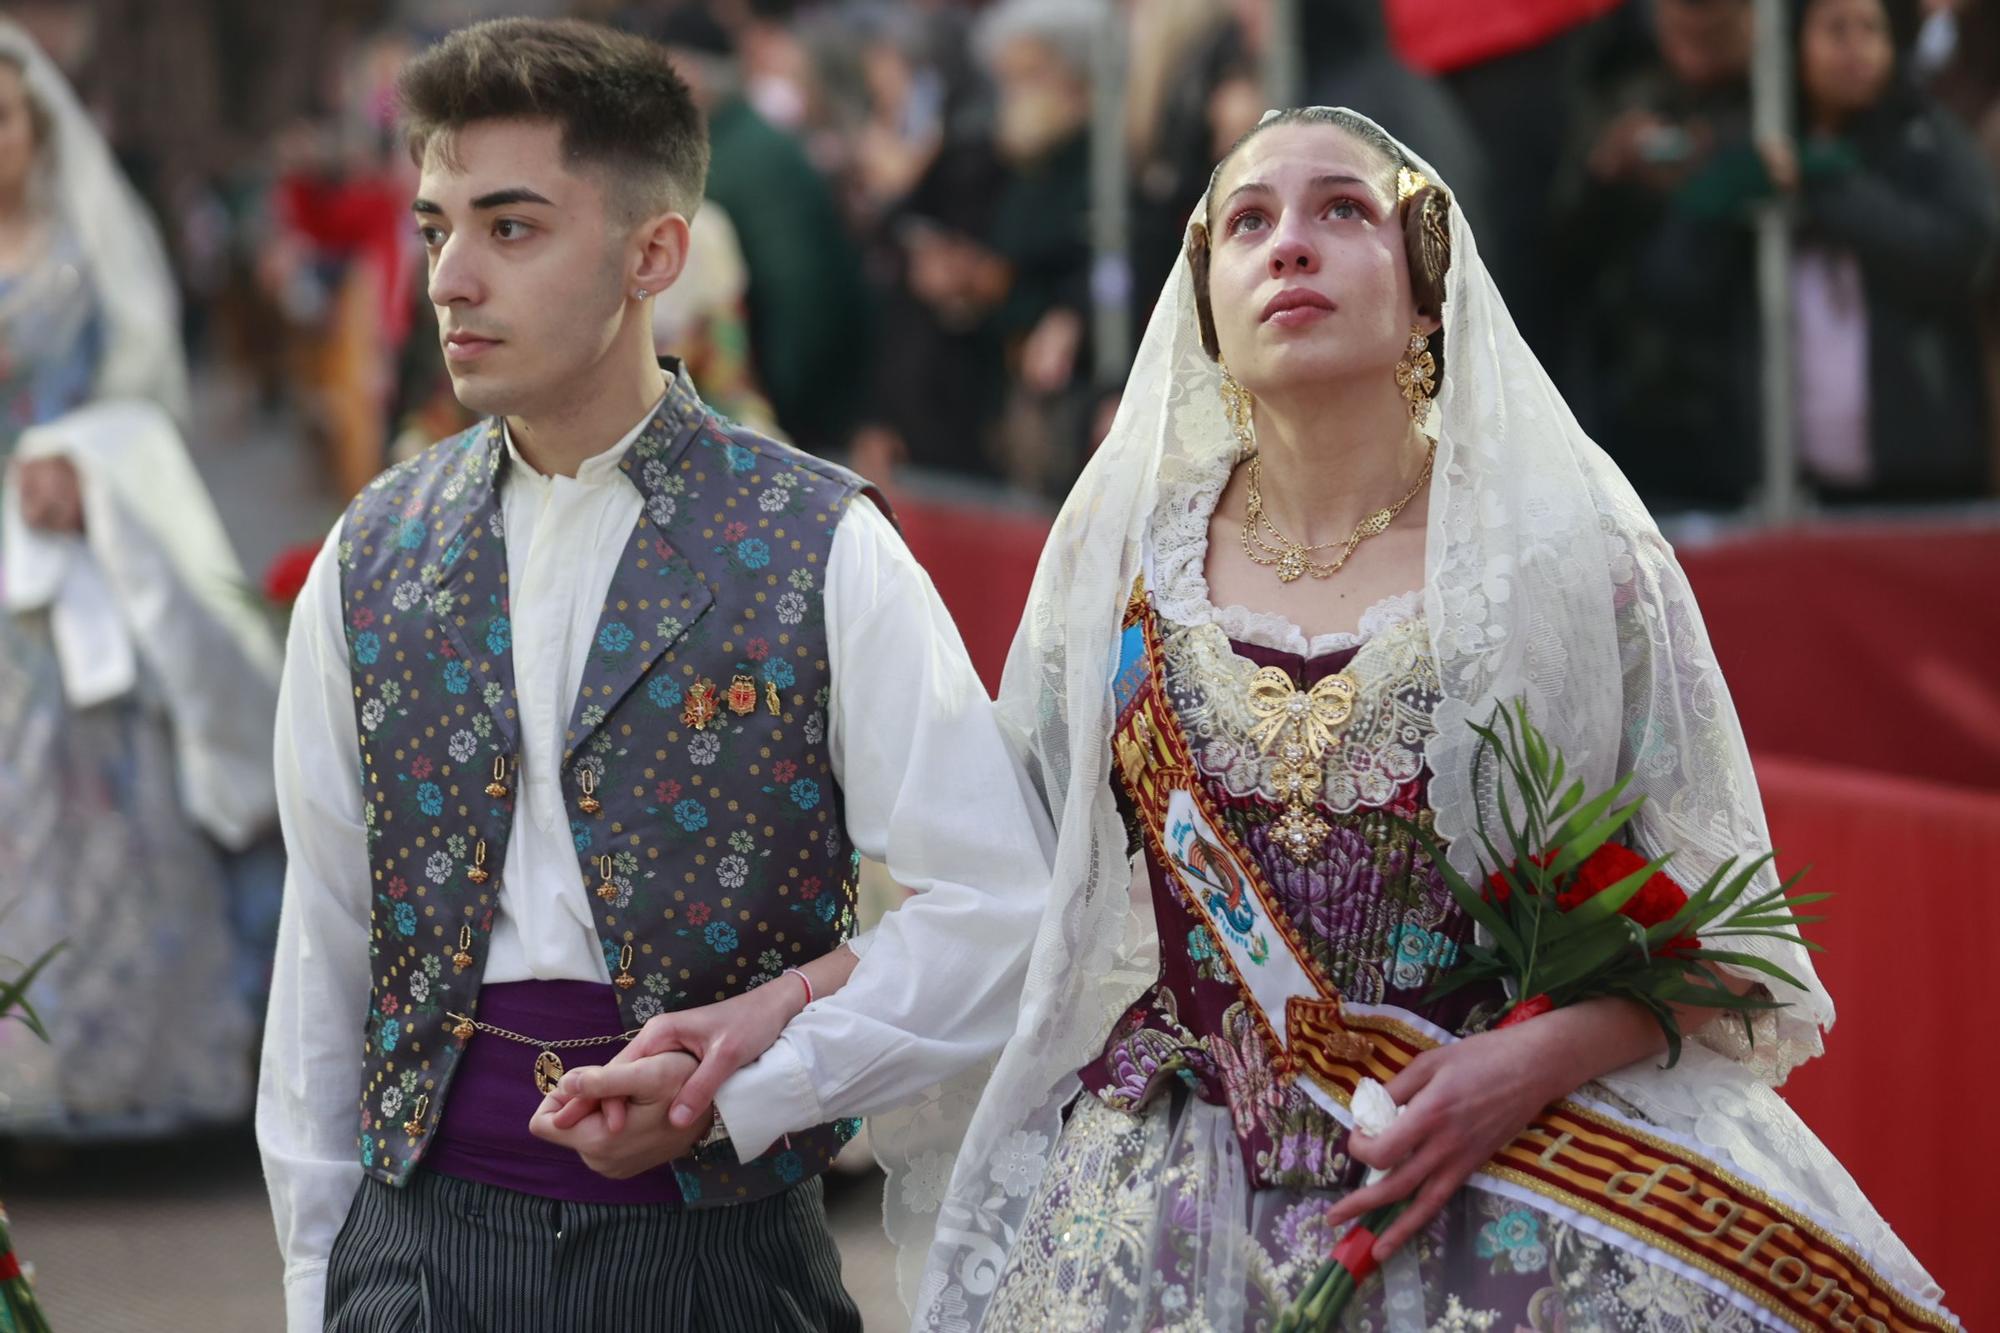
{"x": 1341, "y": 516}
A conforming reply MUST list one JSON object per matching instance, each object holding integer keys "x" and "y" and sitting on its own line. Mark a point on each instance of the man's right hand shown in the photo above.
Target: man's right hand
{"x": 643, "y": 1089}
{"x": 724, "y": 1037}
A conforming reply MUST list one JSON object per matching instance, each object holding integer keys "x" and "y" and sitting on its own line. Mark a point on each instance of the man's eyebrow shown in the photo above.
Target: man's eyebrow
{"x": 517, "y": 194}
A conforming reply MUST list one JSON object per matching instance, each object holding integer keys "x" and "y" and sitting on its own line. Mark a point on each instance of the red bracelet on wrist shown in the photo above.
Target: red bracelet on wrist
{"x": 804, "y": 980}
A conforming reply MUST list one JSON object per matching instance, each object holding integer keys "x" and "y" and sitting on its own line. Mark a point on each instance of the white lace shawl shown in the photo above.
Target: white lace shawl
{"x": 1545, "y": 579}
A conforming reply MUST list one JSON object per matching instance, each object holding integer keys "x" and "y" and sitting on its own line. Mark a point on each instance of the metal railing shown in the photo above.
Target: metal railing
{"x": 1771, "y": 122}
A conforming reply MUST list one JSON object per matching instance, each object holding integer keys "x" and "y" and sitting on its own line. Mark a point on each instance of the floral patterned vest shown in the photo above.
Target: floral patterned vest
{"x": 704, "y": 812}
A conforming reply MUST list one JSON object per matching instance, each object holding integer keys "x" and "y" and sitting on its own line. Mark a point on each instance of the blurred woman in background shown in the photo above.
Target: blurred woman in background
{"x": 137, "y": 680}
{"x": 1898, "y": 217}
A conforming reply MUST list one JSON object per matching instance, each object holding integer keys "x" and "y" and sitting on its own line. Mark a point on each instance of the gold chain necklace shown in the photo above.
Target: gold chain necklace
{"x": 548, "y": 1065}
{"x": 1266, "y": 545}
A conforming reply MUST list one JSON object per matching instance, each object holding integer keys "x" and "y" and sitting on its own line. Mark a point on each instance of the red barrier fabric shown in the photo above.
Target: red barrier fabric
{"x": 1875, "y": 648}
{"x": 982, "y": 561}
{"x": 1863, "y": 665}
{"x": 1906, "y": 1093}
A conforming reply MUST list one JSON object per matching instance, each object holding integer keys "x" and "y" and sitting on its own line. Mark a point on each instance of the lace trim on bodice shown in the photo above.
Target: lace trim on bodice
{"x": 1378, "y": 752}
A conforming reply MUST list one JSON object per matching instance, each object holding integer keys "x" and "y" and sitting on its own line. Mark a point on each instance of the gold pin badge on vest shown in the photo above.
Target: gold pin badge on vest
{"x": 607, "y": 890}
{"x": 478, "y": 874}
{"x": 743, "y": 695}
{"x": 414, "y": 1126}
{"x": 771, "y": 699}
{"x": 461, "y": 1026}
{"x": 699, "y": 709}
{"x": 588, "y": 802}
{"x": 625, "y": 980}
{"x": 463, "y": 958}
{"x": 498, "y": 787}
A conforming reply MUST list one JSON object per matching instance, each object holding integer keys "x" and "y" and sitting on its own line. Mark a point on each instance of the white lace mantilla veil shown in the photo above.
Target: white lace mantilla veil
{"x": 95, "y": 205}
{"x": 1545, "y": 578}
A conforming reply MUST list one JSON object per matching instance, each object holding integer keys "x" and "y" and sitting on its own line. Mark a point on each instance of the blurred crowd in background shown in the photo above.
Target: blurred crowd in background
{"x": 904, "y": 260}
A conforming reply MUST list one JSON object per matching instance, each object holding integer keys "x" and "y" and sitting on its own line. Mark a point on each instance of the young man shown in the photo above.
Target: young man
{"x": 587, "y": 713}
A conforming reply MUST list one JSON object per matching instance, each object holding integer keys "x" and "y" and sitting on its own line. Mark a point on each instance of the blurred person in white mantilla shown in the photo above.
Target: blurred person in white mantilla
{"x": 137, "y": 678}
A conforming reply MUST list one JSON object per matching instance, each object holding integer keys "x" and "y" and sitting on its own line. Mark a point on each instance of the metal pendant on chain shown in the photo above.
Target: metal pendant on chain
{"x": 1265, "y": 545}
{"x": 548, "y": 1068}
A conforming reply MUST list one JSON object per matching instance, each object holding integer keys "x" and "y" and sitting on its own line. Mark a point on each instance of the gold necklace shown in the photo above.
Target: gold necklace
{"x": 548, "y": 1065}
{"x": 1294, "y": 559}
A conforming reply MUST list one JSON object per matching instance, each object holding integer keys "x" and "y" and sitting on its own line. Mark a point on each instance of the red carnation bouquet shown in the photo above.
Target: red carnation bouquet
{"x": 1573, "y": 913}
{"x": 1570, "y": 914}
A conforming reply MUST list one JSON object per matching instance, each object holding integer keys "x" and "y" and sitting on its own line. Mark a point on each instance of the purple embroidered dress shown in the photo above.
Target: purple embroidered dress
{"x": 1191, "y": 1184}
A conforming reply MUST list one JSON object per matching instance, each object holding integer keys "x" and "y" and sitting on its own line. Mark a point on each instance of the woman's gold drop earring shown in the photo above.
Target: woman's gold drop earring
{"x": 1416, "y": 373}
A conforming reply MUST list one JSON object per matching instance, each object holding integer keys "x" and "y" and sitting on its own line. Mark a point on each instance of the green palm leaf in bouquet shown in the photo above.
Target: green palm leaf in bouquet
{"x": 19, "y": 1311}
{"x": 1570, "y": 912}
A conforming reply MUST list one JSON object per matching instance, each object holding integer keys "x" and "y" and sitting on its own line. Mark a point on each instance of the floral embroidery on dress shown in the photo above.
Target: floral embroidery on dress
{"x": 1138, "y": 1223}
{"x": 1305, "y": 1143}
{"x": 1513, "y": 1241}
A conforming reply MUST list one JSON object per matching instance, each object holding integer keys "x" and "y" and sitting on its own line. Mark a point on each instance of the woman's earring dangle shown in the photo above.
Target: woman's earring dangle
{"x": 1416, "y": 373}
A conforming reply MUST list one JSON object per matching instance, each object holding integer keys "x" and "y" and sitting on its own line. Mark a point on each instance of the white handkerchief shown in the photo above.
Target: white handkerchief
{"x": 56, "y": 570}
